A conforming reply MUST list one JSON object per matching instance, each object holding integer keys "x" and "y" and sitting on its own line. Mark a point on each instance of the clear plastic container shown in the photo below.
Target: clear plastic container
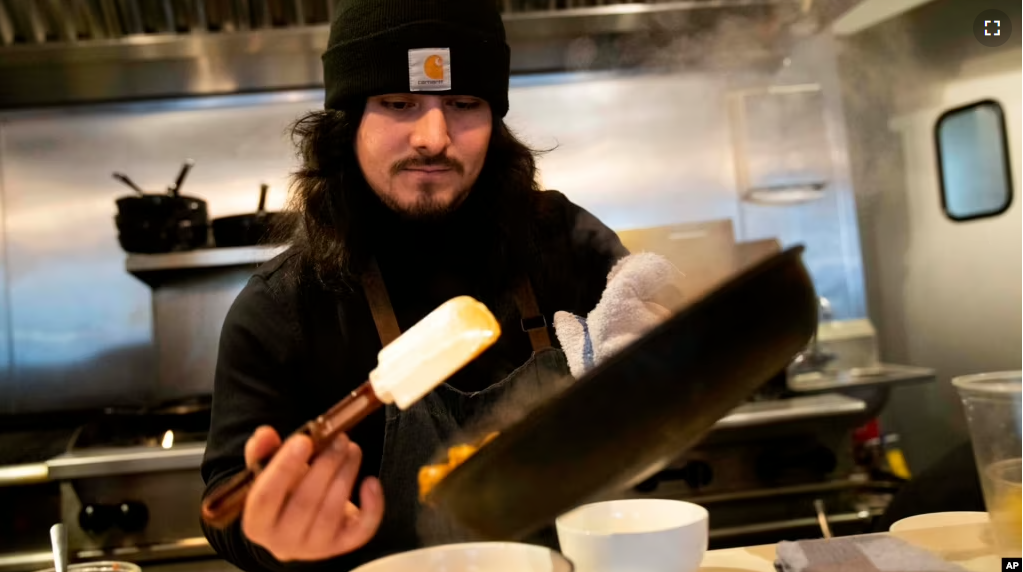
{"x": 993, "y": 410}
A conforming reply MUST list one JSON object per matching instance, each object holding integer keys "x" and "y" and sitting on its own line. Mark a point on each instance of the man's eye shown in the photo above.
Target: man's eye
{"x": 397, "y": 105}
{"x": 465, "y": 104}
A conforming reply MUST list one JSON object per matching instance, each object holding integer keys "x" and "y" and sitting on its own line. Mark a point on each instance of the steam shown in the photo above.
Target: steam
{"x": 874, "y": 79}
{"x": 517, "y": 400}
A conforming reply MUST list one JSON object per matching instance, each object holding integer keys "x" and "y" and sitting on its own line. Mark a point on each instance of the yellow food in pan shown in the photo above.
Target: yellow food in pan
{"x": 431, "y": 475}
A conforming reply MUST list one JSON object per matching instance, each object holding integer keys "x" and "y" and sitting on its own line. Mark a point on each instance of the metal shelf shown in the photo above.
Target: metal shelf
{"x": 124, "y": 460}
{"x": 155, "y": 269}
{"x": 105, "y": 462}
{"x": 793, "y": 409}
{"x": 884, "y": 374}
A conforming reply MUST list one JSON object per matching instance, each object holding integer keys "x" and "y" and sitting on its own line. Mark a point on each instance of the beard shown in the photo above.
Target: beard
{"x": 427, "y": 207}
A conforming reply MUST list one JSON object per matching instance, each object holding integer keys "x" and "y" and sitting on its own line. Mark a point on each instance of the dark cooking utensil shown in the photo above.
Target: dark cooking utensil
{"x": 124, "y": 179}
{"x": 410, "y": 367}
{"x": 225, "y": 503}
{"x": 161, "y": 222}
{"x": 250, "y": 229}
{"x": 641, "y": 409}
{"x": 176, "y": 189}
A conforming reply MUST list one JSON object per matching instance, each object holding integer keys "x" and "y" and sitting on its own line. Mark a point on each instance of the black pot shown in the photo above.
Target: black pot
{"x": 260, "y": 227}
{"x": 161, "y": 223}
{"x": 155, "y": 223}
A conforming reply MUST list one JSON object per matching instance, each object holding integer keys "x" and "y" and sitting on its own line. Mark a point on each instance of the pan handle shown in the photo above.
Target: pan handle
{"x": 124, "y": 179}
{"x": 263, "y": 189}
{"x": 176, "y": 189}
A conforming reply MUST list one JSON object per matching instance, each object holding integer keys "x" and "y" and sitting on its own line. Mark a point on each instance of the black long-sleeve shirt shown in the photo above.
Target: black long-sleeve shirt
{"x": 290, "y": 349}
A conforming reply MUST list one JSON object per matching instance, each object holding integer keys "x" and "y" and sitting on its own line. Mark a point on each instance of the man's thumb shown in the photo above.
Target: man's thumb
{"x": 261, "y": 445}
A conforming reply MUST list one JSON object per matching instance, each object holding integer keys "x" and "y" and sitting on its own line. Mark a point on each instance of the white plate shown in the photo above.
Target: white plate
{"x": 939, "y": 519}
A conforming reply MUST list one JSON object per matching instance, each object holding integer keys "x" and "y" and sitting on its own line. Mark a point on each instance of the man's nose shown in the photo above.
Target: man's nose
{"x": 430, "y": 133}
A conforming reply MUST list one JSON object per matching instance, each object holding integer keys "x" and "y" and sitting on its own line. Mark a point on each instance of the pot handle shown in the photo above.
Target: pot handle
{"x": 124, "y": 179}
{"x": 176, "y": 189}
{"x": 263, "y": 189}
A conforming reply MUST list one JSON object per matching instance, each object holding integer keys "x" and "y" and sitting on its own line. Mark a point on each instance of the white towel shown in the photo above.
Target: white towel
{"x": 642, "y": 291}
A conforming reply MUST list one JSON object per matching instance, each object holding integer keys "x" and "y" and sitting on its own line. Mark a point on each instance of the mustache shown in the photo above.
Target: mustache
{"x": 436, "y": 161}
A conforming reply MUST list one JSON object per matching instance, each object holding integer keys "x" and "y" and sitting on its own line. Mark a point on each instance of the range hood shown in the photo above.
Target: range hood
{"x": 57, "y": 52}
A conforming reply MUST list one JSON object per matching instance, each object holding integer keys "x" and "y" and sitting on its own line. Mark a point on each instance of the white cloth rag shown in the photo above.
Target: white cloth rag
{"x": 642, "y": 291}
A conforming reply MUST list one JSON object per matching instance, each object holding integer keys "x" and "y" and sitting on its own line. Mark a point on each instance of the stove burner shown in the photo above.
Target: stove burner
{"x": 164, "y": 426}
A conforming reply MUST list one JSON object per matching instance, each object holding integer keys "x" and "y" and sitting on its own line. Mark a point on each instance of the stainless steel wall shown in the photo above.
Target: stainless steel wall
{"x": 942, "y": 294}
{"x": 6, "y": 363}
{"x": 636, "y": 149}
{"x": 81, "y": 327}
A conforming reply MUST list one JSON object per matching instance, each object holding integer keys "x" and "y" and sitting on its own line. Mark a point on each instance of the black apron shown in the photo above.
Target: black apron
{"x": 446, "y": 416}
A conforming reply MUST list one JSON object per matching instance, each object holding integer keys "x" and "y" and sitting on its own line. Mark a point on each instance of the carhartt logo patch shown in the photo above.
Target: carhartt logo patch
{"x": 429, "y": 69}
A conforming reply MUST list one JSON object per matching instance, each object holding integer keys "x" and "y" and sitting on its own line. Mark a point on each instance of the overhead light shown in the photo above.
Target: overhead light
{"x": 785, "y": 194}
{"x": 168, "y": 440}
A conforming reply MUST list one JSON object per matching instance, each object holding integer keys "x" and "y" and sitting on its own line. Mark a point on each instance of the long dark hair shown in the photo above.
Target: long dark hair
{"x": 336, "y": 208}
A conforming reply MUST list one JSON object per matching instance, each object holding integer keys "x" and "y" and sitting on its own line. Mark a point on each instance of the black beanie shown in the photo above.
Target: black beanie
{"x": 433, "y": 47}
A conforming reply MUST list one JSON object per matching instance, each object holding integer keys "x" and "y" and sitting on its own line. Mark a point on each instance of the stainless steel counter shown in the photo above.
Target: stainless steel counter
{"x": 191, "y": 555}
{"x": 105, "y": 462}
{"x": 124, "y": 460}
{"x": 881, "y": 374}
{"x": 212, "y": 565}
{"x": 794, "y": 409}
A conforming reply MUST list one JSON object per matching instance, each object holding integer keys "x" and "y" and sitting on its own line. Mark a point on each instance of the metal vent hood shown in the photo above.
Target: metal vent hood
{"x": 58, "y": 52}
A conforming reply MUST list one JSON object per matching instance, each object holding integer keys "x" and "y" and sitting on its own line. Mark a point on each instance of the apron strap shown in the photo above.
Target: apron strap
{"x": 532, "y": 320}
{"x": 380, "y": 304}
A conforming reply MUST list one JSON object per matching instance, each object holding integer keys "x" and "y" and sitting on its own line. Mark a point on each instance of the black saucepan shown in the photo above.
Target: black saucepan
{"x": 156, "y": 222}
{"x": 641, "y": 409}
{"x": 260, "y": 227}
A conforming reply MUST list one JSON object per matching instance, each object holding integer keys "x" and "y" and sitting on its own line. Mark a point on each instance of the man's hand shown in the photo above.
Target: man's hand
{"x": 301, "y": 511}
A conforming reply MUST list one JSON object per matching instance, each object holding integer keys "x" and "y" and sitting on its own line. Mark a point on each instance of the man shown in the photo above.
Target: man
{"x": 412, "y": 191}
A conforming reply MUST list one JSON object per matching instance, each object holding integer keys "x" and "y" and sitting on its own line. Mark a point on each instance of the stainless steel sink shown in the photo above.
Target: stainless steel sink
{"x": 879, "y": 374}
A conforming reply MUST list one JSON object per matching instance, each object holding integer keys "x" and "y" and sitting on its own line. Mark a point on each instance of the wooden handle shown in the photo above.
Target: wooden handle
{"x": 224, "y": 504}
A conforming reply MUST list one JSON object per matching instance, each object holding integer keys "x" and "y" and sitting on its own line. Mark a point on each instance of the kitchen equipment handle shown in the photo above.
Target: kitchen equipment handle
{"x": 6, "y": 26}
{"x": 225, "y": 503}
{"x": 176, "y": 189}
{"x": 822, "y": 517}
{"x": 58, "y": 541}
{"x": 124, "y": 179}
{"x": 263, "y": 189}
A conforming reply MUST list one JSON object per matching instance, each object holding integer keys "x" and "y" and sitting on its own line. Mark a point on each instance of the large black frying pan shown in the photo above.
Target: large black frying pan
{"x": 641, "y": 409}
{"x": 250, "y": 229}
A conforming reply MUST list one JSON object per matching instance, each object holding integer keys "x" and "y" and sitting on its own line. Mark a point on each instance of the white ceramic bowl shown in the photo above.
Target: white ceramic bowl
{"x": 473, "y": 557}
{"x": 105, "y": 566}
{"x": 648, "y": 535}
{"x": 939, "y": 519}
